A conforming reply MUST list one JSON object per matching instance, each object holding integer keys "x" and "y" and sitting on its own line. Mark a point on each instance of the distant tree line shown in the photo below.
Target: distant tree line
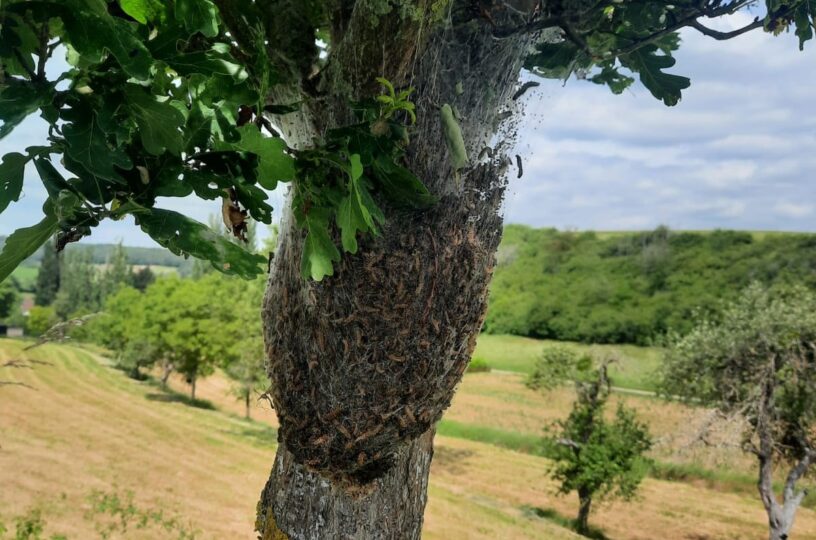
{"x": 189, "y": 325}
{"x": 71, "y": 284}
{"x": 100, "y": 253}
{"x": 632, "y": 287}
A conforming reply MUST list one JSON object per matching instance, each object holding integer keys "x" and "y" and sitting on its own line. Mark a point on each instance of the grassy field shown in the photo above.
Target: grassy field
{"x": 76, "y": 427}
{"x": 634, "y": 369}
{"x": 26, "y": 276}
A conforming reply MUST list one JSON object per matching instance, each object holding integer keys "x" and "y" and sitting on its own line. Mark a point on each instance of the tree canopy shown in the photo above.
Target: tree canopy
{"x": 170, "y": 99}
{"x": 757, "y": 362}
{"x": 632, "y": 287}
{"x": 593, "y": 456}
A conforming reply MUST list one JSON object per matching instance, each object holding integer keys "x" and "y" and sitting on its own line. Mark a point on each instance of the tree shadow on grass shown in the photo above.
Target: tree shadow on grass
{"x": 451, "y": 460}
{"x": 169, "y": 396}
{"x": 559, "y": 519}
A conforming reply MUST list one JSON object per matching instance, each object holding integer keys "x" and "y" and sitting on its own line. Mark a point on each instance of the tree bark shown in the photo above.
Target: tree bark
{"x": 780, "y": 516}
{"x": 246, "y": 403}
{"x": 193, "y": 386}
{"x": 365, "y": 362}
{"x": 167, "y": 370}
{"x": 308, "y": 506}
{"x": 585, "y": 506}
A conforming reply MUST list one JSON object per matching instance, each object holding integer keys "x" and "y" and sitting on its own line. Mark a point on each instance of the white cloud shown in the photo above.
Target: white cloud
{"x": 795, "y": 210}
{"x": 728, "y": 174}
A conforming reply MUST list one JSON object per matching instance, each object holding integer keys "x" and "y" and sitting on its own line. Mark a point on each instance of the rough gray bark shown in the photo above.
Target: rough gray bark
{"x": 365, "y": 362}
{"x": 780, "y": 516}
{"x": 309, "y": 506}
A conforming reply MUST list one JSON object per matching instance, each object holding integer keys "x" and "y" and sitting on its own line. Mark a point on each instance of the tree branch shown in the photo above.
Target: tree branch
{"x": 236, "y": 22}
{"x": 690, "y": 20}
{"x": 569, "y": 443}
{"x": 798, "y": 472}
{"x": 721, "y": 36}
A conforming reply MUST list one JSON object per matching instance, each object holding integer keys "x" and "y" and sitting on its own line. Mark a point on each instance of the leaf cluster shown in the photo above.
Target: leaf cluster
{"x": 612, "y": 42}
{"x": 338, "y": 181}
{"x": 161, "y": 101}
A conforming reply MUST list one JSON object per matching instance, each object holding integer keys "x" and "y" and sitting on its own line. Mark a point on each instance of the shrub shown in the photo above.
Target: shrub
{"x": 40, "y": 319}
{"x": 478, "y": 365}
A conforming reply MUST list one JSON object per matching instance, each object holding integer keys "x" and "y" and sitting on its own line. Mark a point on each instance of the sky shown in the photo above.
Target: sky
{"x": 738, "y": 152}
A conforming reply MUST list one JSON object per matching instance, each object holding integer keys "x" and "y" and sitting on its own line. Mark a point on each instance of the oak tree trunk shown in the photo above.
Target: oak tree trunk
{"x": 308, "y": 506}
{"x": 365, "y": 362}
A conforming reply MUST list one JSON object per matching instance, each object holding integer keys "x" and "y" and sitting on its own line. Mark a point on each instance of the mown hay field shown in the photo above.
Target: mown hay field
{"x": 77, "y": 425}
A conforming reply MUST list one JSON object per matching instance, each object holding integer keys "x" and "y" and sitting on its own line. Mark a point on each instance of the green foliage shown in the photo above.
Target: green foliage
{"x": 30, "y": 526}
{"x": 193, "y": 325}
{"x": 478, "y": 365}
{"x": 596, "y": 458}
{"x": 8, "y": 299}
{"x": 116, "y": 514}
{"x": 609, "y": 461}
{"x": 24, "y": 242}
{"x": 118, "y": 273}
{"x": 80, "y": 290}
{"x": 758, "y": 359}
{"x": 48, "y": 277}
{"x": 335, "y": 183}
{"x": 11, "y": 178}
{"x": 631, "y": 287}
{"x": 557, "y": 364}
{"x": 143, "y": 277}
{"x": 167, "y": 99}
{"x": 394, "y": 103}
{"x": 247, "y": 367}
{"x": 158, "y": 102}
{"x": 40, "y": 319}
{"x": 613, "y": 42}
{"x": 184, "y": 236}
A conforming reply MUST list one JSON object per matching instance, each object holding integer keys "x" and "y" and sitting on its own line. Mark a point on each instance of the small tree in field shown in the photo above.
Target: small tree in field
{"x": 758, "y": 361}
{"x": 594, "y": 457}
{"x": 245, "y": 365}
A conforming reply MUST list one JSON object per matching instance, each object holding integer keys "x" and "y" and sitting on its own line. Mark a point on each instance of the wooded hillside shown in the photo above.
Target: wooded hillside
{"x": 631, "y": 287}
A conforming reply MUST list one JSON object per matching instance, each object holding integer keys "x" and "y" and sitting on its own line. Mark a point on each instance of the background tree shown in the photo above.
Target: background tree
{"x": 117, "y": 273}
{"x": 9, "y": 298}
{"x": 198, "y": 332}
{"x": 79, "y": 292}
{"x": 594, "y": 457}
{"x": 121, "y": 327}
{"x": 245, "y": 366}
{"x": 39, "y": 320}
{"x": 143, "y": 277}
{"x": 365, "y": 349}
{"x": 757, "y": 361}
{"x": 48, "y": 277}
